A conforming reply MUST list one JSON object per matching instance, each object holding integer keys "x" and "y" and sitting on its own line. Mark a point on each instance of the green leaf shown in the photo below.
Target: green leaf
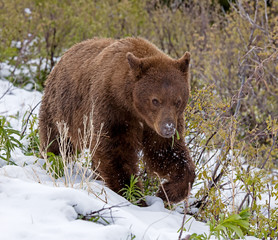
{"x": 178, "y": 136}
{"x": 237, "y": 230}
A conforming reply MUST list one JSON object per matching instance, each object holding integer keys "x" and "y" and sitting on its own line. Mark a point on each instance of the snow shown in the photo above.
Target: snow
{"x": 16, "y": 102}
{"x": 32, "y": 210}
{"x": 35, "y": 206}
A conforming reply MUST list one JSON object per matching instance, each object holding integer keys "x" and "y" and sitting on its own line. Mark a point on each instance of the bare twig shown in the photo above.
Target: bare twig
{"x": 185, "y": 203}
{"x": 205, "y": 164}
{"x": 246, "y": 16}
{"x": 266, "y": 17}
{"x": 242, "y": 76}
{"x": 168, "y": 202}
{"x": 204, "y": 148}
{"x": 7, "y": 91}
{"x": 104, "y": 209}
{"x": 243, "y": 201}
{"x": 272, "y": 146}
{"x": 30, "y": 114}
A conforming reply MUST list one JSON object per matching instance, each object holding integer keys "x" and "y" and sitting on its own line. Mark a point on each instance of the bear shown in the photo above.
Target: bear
{"x": 138, "y": 95}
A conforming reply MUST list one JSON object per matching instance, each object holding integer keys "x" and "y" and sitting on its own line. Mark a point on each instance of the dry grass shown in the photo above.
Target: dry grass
{"x": 74, "y": 168}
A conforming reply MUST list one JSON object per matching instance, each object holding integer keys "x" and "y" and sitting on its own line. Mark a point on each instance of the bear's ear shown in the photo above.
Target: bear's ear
{"x": 134, "y": 62}
{"x": 183, "y": 62}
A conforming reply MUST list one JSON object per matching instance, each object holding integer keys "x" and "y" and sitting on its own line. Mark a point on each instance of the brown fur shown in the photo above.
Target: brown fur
{"x": 139, "y": 93}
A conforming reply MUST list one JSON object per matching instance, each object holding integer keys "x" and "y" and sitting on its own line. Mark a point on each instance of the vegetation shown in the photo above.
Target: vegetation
{"x": 8, "y": 140}
{"x": 31, "y": 133}
{"x": 231, "y": 227}
{"x": 231, "y": 119}
{"x": 132, "y": 192}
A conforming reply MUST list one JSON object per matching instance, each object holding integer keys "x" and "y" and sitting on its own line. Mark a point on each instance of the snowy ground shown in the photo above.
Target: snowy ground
{"x": 34, "y": 207}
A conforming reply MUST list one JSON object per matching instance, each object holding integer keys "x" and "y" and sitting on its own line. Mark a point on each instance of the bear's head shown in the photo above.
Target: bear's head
{"x": 161, "y": 90}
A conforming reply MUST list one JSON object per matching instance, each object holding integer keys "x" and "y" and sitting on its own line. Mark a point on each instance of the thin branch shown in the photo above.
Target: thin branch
{"x": 266, "y": 17}
{"x": 168, "y": 202}
{"x": 28, "y": 118}
{"x": 242, "y": 76}
{"x": 205, "y": 147}
{"x": 243, "y": 201}
{"x": 218, "y": 162}
{"x": 246, "y": 16}
{"x": 201, "y": 203}
{"x": 100, "y": 213}
{"x": 240, "y": 93}
{"x": 184, "y": 214}
{"x": 272, "y": 146}
{"x": 6, "y": 92}
{"x": 18, "y": 61}
{"x": 253, "y": 23}
{"x": 205, "y": 164}
{"x": 97, "y": 212}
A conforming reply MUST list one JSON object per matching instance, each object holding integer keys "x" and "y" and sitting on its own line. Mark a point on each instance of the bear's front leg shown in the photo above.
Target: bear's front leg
{"x": 117, "y": 157}
{"x": 172, "y": 162}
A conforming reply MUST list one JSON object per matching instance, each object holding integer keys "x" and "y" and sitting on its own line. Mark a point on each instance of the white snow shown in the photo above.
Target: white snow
{"x": 35, "y": 209}
{"x": 16, "y": 102}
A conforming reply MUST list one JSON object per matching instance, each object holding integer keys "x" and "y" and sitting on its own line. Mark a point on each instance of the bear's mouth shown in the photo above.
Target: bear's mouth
{"x": 166, "y": 130}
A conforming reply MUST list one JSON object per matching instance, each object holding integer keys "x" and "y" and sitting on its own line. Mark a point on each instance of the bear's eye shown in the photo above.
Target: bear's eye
{"x": 178, "y": 103}
{"x": 155, "y": 102}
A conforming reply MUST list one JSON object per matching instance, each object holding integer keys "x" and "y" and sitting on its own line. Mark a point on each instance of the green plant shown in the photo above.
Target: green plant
{"x": 8, "y": 140}
{"x": 95, "y": 219}
{"x": 55, "y": 165}
{"x": 233, "y": 226}
{"x": 244, "y": 164}
{"x": 132, "y": 192}
{"x": 261, "y": 188}
{"x": 182, "y": 228}
{"x": 32, "y": 135}
{"x": 150, "y": 184}
{"x": 173, "y": 137}
{"x": 131, "y": 236}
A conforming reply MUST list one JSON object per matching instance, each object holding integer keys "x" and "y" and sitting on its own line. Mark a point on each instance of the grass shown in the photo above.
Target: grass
{"x": 71, "y": 168}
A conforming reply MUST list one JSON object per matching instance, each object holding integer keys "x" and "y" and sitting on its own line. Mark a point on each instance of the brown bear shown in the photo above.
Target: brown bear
{"x": 138, "y": 94}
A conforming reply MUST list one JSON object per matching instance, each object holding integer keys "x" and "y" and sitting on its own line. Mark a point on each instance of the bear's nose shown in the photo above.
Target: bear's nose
{"x": 168, "y": 130}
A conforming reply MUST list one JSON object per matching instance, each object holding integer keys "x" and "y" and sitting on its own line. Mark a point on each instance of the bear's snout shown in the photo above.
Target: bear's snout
{"x": 168, "y": 129}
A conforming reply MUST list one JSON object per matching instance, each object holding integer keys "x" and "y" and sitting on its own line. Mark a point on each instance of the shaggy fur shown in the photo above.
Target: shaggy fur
{"x": 139, "y": 94}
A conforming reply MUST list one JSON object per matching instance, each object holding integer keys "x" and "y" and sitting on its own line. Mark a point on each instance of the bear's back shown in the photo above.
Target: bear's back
{"x": 90, "y": 50}
{"x": 90, "y": 56}
{"x": 87, "y": 49}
